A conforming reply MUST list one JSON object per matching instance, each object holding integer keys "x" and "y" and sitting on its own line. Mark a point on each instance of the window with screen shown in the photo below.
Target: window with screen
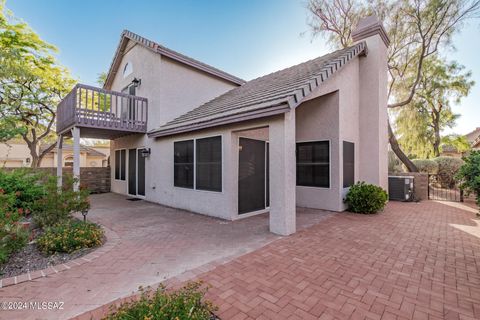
{"x": 120, "y": 163}
{"x": 313, "y": 164}
{"x": 208, "y": 157}
{"x": 183, "y": 164}
{"x": 348, "y": 164}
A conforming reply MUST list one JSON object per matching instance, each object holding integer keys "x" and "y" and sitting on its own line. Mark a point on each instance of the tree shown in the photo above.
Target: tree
{"x": 101, "y": 78}
{"x": 460, "y": 143}
{"x": 421, "y": 122}
{"x": 469, "y": 175}
{"x": 32, "y": 83}
{"x": 416, "y": 28}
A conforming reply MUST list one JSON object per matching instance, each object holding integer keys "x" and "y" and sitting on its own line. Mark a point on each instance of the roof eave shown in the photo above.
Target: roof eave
{"x": 235, "y": 118}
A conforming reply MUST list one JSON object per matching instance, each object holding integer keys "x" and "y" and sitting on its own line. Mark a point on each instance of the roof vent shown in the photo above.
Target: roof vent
{"x": 370, "y": 26}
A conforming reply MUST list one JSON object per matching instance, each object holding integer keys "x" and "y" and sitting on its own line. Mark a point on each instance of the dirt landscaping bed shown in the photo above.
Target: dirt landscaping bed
{"x": 31, "y": 259}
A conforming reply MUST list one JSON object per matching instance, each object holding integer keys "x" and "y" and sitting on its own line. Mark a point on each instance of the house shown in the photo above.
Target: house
{"x": 188, "y": 135}
{"x": 473, "y": 138}
{"x": 16, "y": 154}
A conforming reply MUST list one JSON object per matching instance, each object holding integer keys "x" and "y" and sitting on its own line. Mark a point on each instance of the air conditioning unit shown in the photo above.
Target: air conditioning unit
{"x": 400, "y": 188}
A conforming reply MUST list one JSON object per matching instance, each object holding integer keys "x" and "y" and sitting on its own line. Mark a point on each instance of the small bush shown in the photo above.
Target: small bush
{"x": 426, "y": 165}
{"x": 25, "y": 185}
{"x": 469, "y": 175}
{"x": 13, "y": 236}
{"x": 56, "y": 205}
{"x": 185, "y": 303}
{"x": 366, "y": 198}
{"x": 70, "y": 236}
{"x": 447, "y": 169}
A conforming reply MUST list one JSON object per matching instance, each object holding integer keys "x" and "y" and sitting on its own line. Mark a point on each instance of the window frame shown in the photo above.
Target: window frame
{"x": 120, "y": 165}
{"x": 329, "y": 163}
{"x": 195, "y": 163}
{"x": 343, "y": 163}
{"x": 66, "y": 160}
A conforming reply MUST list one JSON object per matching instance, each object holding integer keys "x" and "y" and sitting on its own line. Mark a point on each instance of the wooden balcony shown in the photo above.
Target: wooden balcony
{"x": 101, "y": 114}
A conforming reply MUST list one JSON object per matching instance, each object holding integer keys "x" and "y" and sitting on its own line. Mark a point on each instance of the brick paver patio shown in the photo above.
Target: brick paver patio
{"x": 154, "y": 243}
{"x": 414, "y": 261}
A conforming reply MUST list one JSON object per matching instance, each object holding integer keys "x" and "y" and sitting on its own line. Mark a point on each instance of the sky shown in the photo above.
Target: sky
{"x": 247, "y": 38}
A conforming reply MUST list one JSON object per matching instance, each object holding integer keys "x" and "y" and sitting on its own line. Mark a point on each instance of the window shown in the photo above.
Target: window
{"x": 208, "y": 156}
{"x": 348, "y": 164}
{"x": 183, "y": 164}
{"x": 120, "y": 164}
{"x": 68, "y": 162}
{"x": 127, "y": 69}
{"x": 205, "y": 166}
{"x": 313, "y": 164}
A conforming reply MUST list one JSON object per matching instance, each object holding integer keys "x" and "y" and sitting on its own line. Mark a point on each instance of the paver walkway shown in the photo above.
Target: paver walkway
{"x": 155, "y": 243}
{"x": 414, "y": 261}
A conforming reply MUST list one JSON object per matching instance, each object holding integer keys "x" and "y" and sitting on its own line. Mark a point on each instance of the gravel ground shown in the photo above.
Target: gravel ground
{"x": 31, "y": 259}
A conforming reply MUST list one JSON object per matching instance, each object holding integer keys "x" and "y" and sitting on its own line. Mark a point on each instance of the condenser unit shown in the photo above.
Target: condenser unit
{"x": 400, "y": 188}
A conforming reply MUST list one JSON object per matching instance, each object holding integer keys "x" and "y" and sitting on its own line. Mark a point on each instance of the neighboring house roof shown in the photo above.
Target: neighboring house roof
{"x": 83, "y": 149}
{"x": 472, "y": 136}
{"x": 274, "y": 93}
{"x": 476, "y": 143}
{"x": 157, "y": 48}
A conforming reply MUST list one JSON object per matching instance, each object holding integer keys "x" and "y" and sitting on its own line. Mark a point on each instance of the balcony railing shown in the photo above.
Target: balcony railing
{"x": 87, "y": 106}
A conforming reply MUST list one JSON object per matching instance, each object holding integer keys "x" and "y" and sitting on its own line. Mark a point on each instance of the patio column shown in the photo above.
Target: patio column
{"x": 76, "y": 157}
{"x": 59, "y": 161}
{"x": 283, "y": 175}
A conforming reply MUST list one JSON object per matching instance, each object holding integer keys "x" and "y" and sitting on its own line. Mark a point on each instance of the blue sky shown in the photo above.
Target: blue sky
{"x": 247, "y": 38}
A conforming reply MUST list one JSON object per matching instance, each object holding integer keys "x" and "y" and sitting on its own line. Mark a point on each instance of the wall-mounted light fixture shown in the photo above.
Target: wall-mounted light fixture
{"x": 145, "y": 152}
{"x": 136, "y": 82}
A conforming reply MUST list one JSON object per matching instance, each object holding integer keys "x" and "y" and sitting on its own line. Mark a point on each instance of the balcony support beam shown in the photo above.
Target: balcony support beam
{"x": 59, "y": 161}
{"x": 76, "y": 158}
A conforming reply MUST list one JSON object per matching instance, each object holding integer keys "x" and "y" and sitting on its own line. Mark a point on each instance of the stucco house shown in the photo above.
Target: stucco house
{"x": 187, "y": 135}
{"x": 473, "y": 138}
{"x": 16, "y": 154}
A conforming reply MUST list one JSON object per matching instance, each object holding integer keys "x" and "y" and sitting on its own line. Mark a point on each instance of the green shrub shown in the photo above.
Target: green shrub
{"x": 366, "y": 198}
{"x": 70, "y": 236}
{"x": 56, "y": 205}
{"x": 25, "y": 185}
{"x": 447, "y": 169}
{"x": 13, "y": 236}
{"x": 469, "y": 175}
{"x": 185, "y": 303}
{"x": 426, "y": 165}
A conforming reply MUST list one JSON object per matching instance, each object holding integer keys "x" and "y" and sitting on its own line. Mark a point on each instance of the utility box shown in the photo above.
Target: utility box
{"x": 401, "y": 188}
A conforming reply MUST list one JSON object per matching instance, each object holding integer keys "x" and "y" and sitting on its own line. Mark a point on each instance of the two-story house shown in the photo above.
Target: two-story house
{"x": 187, "y": 135}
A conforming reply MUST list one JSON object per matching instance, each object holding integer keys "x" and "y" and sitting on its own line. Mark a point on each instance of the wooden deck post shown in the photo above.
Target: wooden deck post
{"x": 59, "y": 161}
{"x": 76, "y": 158}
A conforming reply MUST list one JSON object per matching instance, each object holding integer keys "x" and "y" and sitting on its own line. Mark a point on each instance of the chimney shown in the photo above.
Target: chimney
{"x": 373, "y": 80}
{"x": 368, "y": 27}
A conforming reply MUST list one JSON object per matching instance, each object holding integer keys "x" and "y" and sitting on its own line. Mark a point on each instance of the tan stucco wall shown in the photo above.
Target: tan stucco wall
{"x": 373, "y": 113}
{"x": 171, "y": 88}
{"x": 318, "y": 120}
{"x": 14, "y": 155}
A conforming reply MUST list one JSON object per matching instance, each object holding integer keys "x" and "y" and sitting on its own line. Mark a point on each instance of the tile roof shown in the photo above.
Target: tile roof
{"x": 83, "y": 149}
{"x": 473, "y": 135}
{"x": 274, "y": 93}
{"x": 157, "y": 48}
